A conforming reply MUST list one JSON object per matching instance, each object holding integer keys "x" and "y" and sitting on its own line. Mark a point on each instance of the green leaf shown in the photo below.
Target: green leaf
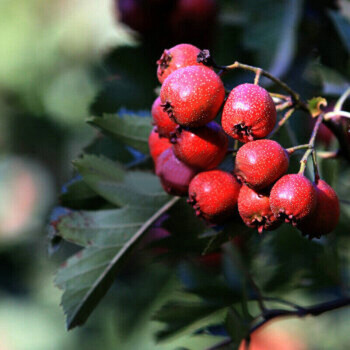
{"x": 315, "y": 105}
{"x": 118, "y": 186}
{"x": 79, "y": 195}
{"x": 187, "y": 316}
{"x": 342, "y": 25}
{"x": 236, "y": 326}
{"x": 131, "y": 130}
{"x": 87, "y": 276}
{"x": 273, "y": 36}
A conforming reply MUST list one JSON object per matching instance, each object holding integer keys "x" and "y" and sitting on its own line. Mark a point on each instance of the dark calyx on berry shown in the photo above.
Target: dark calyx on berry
{"x": 164, "y": 61}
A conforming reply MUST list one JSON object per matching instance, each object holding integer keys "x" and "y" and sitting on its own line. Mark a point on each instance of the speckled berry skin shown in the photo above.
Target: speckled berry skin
{"x": 326, "y": 215}
{"x": 192, "y": 96}
{"x": 202, "y": 148}
{"x": 179, "y": 56}
{"x": 164, "y": 125}
{"x": 213, "y": 194}
{"x": 255, "y": 211}
{"x": 260, "y": 163}
{"x": 249, "y": 113}
{"x": 157, "y": 145}
{"x": 175, "y": 176}
{"x": 293, "y": 198}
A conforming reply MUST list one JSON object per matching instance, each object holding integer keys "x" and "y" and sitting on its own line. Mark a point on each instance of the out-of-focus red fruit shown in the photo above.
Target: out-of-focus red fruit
{"x": 153, "y": 235}
{"x": 174, "y": 175}
{"x": 326, "y": 215}
{"x": 213, "y": 194}
{"x": 157, "y": 145}
{"x": 255, "y": 211}
{"x": 273, "y": 339}
{"x": 194, "y": 21}
{"x": 192, "y": 96}
{"x": 211, "y": 261}
{"x": 179, "y": 56}
{"x": 260, "y": 163}
{"x": 133, "y": 15}
{"x": 164, "y": 125}
{"x": 249, "y": 113}
{"x": 202, "y": 148}
{"x": 293, "y": 198}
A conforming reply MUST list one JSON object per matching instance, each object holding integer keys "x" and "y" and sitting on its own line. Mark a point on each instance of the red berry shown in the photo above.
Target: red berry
{"x": 255, "y": 211}
{"x": 326, "y": 215}
{"x": 249, "y": 113}
{"x": 175, "y": 176}
{"x": 165, "y": 126}
{"x": 179, "y": 56}
{"x": 260, "y": 163}
{"x": 192, "y": 96}
{"x": 203, "y": 148}
{"x": 293, "y": 198}
{"x": 157, "y": 145}
{"x": 213, "y": 194}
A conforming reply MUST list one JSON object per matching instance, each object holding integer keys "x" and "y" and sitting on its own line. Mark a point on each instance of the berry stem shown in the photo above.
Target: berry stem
{"x": 295, "y": 96}
{"x": 296, "y": 148}
{"x": 257, "y": 76}
{"x": 285, "y": 118}
{"x": 328, "y": 154}
{"x": 311, "y": 148}
{"x": 279, "y": 96}
{"x": 283, "y": 106}
{"x": 339, "y": 105}
{"x": 333, "y": 114}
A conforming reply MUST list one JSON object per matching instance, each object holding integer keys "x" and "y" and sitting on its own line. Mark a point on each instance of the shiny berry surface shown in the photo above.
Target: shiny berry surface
{"x": 157, "y": 145}
{"x": 260, "y": 163}
{"x": 174, "y": 175}
{"x": 192, "y": 96}
{"x": 293, "y": 198}
{"x": 165, "y": 126}
{"x": 249, "y": 113}
{"x": 326, "y": 215}
{"x": 213, "y": 194}
{"x": 203, "y": 148}
{"x": 179, "y": 56}
{"x": 255, "y": 211}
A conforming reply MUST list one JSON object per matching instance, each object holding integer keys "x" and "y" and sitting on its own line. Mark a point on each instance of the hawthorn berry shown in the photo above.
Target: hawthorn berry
{"x": 249, "y": 113}
{"x": 260, "y": 163}
{"x": 254, "y": 209}
{"x": 326, "y": 215}
{"x": 164, "y": 125}
{"x": 293, "y": 198}
{"x": 175, "y": 176}
{"x": 179, "y": 56}
{"x": 202, "y": 148}
{"x": 192, "y": 96}
{"x": 213, "y": 194}
{"x": 157, "y": 145}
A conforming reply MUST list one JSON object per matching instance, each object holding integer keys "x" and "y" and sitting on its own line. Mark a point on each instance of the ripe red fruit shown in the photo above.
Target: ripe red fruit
{"x": 192, "y": 96}
{"x": 293, "y": 198}
{"x": 179, "y": 56}
{"x": 213, "y": 194}
{"x": 157, "y": 145}
{"x": 255, "y": 211}
{"x": 249, "y": 113}
{"x": 175, "y": 176}
{"x": 326, "y": 215}
{"x": 260, "y": 163}
{"x": 203, "y": 148}
{"x": 165, "y": 126}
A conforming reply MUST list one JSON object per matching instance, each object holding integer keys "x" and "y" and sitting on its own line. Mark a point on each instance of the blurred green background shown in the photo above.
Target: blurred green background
{"x": 61, "y": 61}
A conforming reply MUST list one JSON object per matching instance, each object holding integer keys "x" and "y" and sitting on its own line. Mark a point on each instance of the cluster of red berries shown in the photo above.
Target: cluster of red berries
{"x": 187, "y": 146}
